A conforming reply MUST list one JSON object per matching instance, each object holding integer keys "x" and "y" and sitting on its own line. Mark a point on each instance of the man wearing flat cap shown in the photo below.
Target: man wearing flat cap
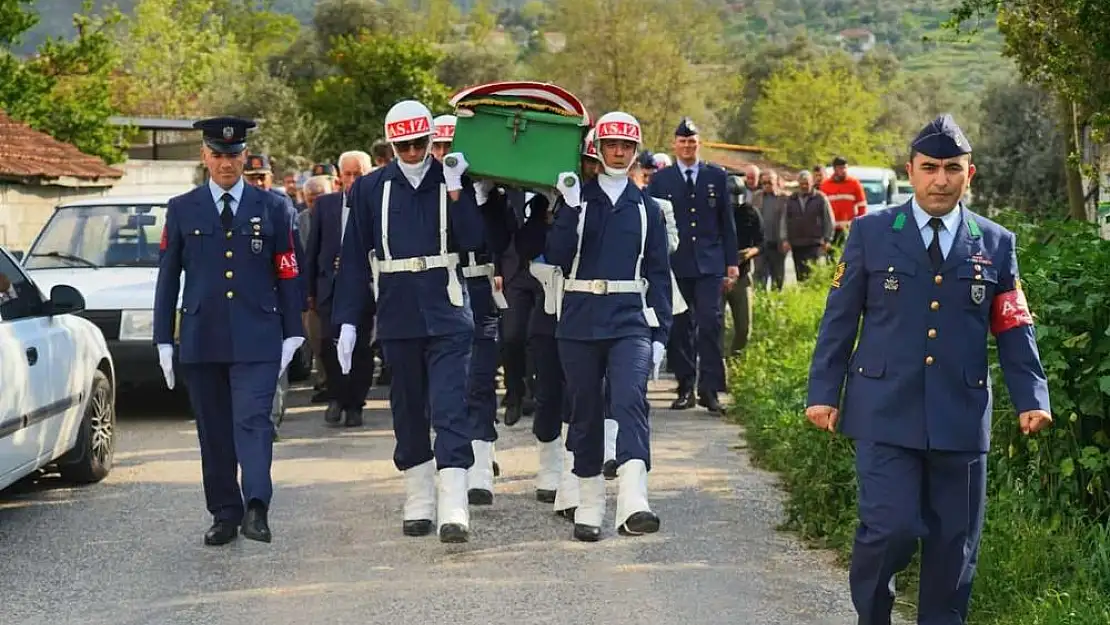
{"x": 706, "y": 260}
{"x": 240, "y": 324}
{"x": 931, "y": 280}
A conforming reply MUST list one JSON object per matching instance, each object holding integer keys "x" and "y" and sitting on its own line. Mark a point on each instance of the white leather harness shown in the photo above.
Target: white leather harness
{"x": 608, "y": 287}
{"x": 418, "y": 264}
{"x": 489, "y": 272}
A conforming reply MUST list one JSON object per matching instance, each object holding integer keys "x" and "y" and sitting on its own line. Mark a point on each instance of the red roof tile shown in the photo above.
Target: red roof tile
{"x": 27, "y": 153}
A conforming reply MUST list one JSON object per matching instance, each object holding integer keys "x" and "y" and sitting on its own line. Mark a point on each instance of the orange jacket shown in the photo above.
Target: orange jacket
{"x": 847, "y": 198}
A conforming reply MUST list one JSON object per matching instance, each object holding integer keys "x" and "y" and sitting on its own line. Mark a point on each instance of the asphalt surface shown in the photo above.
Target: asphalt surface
{"x": 129, "y": 550}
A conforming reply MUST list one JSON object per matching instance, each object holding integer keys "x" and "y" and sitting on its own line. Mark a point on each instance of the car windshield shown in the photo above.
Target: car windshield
{"x": 106, "y": 235}
{"x": 875, "y": 191}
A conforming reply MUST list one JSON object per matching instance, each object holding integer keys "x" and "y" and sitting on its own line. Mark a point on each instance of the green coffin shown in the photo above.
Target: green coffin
{"x": 518, "y": 146}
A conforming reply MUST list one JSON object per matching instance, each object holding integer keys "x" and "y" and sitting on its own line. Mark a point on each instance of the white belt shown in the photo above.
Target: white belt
{"x": 489, "y": 272}
{"x": 418, "y": 263}
{"x": 605, "y": 287}
{"x": 478, "y": 271}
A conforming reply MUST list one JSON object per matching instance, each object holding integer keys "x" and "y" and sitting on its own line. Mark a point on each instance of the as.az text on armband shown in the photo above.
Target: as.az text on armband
{"x": 285, "y": 263}
{"x": 1010, "y": 310}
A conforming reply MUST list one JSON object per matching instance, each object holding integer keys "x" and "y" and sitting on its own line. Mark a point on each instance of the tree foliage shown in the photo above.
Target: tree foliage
{"x": 811, "y": 114}
{"x": 64, "y": 90}
{"x": 371, "y": 74}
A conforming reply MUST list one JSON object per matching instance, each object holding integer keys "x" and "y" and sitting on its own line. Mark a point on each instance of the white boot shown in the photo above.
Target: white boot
{"x": 611, "y": 428}
{"x": 591, "y": 508}
{"x": 634, "y": 516}
{"x": 479, "y": 476}
{"x": 420, "y": 499}
{"x": 454, "y": 515}
{"x": 551, "y": 469}
{"x": 566, "y": 495}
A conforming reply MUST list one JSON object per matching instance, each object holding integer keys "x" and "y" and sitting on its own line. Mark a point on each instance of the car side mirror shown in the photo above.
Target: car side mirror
{"x": 18, "y": 255}
{"x": 64, "y": 300}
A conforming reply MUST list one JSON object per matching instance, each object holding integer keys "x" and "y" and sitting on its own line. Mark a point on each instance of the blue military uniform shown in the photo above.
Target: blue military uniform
{"x": 413, "y": 238}
{"x": 917, "y": 391}
{"x": 322, "y": 267}
{"x": 480, "y": 269}
{"x": 240, "y": 301}
{"x": 707, "y": 247}
{"x": 607, "y": 323}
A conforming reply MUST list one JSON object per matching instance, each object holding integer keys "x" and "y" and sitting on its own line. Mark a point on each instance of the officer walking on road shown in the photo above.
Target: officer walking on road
{"x": 705, "y": 261}
{"x": 930, "y": 279}
{"x": 409, "y": 222}
{"x": 240, "y": 324}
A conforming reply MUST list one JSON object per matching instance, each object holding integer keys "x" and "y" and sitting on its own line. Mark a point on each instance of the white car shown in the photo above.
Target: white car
{"x": 57, "y": 391}
{"x": 108, "y": 248}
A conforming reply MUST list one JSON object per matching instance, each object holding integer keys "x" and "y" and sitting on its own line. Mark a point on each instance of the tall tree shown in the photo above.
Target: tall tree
{"x": 836, "y": 115}
{"x": 258, "y": 28}
{"x": 371, "y": 74}
{"x": 176, "y": 53}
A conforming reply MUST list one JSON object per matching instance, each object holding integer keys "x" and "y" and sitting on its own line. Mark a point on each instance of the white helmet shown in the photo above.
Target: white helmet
{"x": 662, "y": 160}
{"x": 617, "y": 125}
{"x": 589, "y": 148}
{"x": 445, "y": 129}
{"x": 408, "y": 120}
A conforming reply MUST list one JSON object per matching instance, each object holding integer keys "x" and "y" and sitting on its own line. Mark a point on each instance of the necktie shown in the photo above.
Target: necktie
{"x": 225, "y": 214}
{"x": 690, "y": 182}
{"x": 935, "y": 255}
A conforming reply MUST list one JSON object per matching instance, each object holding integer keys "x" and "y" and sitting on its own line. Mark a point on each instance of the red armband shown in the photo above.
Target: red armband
{"x": 1009, "y": 310}
{"x": 285, "y": 263}
{"x": 165, "y": 240}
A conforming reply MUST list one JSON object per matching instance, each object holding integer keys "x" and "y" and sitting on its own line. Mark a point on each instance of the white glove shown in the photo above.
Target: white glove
{"x": 656, "y": 358}
{"x": 165, "y": 360}
{"x": 452, "y": 174}
{"x": 482, "y": 189}
{"x": 346, "y": 346}
{"x": 288, "y": 348}
{"x": 572, "y": 193}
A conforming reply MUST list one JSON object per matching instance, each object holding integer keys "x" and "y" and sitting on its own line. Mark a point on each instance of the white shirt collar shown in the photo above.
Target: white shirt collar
{"x": 236, "y": 192}
{"x": 951, "y": 221}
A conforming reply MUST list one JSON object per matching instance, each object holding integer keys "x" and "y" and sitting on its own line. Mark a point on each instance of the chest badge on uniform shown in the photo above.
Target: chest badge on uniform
{"x": 256, "y": 245}
{"x": 978, "y": 293}
{"x": 712, "y": 196}
{"x": 891, "y": 283}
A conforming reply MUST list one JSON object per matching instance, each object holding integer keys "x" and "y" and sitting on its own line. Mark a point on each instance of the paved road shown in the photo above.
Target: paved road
{"x": 128, "y": 551}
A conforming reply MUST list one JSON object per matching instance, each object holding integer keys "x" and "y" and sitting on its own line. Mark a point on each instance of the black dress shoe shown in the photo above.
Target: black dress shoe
{"x": 221, "y": 533}
{"x": 528, "y": 406}
{"x": 545, "y": 496}
{"x": 640, "y": 523}
{"x": 479, "y": 497}
{"x": 352, "y": 417}
{"x": 567, "y": 513}
{"x": 513, "y": 412}
{"x": 255, "y": 526}
{"x": 333, "y": 415}
{"x": 419, "y": 527}
{"x": 587, "y": 533}
{"x": 496, "y": 469}
{"x": 685, "y": 400}
{"x": 609, "y": 469}
{"x": 710, "y": 402}
{"x": 453, "y": 533}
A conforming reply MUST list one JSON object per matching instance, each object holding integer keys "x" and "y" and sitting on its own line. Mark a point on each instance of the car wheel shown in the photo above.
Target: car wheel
{"x": 90, "y": 460}
{"x": 301, "y": 366}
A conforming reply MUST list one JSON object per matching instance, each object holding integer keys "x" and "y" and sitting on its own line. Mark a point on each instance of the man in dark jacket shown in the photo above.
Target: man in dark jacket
{"x": 749, "y": 239}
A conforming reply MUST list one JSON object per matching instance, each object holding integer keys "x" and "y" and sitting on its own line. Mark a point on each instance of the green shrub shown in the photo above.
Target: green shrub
{"x": 1045, "y": 555}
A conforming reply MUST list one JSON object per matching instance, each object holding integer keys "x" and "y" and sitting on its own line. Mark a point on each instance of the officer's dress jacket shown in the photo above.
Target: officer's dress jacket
{"x": 409, "y": 305}
{"x": 707, "y": 233}
{"x": 610, "y": 245}
{"x": 241, "y": 295}
{"x": 918, "y": 377}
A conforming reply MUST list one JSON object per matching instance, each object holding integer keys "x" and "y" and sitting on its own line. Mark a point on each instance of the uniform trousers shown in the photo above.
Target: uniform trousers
{"x": 482, "y": 390}
{"x": 349, "y": 390}
{"x": 739, "y": 300}
{"x": 907, "y": 495}
{"x": 231, "y": 403}
{"x": 696, "y": 336}
{"x": 626, "y": 362}
{"x": 514, "y": 336}
{"x": 429, "y": 391}
{"x": 551, "y": 401}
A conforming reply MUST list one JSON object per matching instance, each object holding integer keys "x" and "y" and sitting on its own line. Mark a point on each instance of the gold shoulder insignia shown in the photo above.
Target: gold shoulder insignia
{"x": 840, "y": 267}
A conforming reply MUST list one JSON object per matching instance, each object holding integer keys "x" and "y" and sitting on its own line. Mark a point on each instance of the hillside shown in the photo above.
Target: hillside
{"x": 909, "y": 28}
